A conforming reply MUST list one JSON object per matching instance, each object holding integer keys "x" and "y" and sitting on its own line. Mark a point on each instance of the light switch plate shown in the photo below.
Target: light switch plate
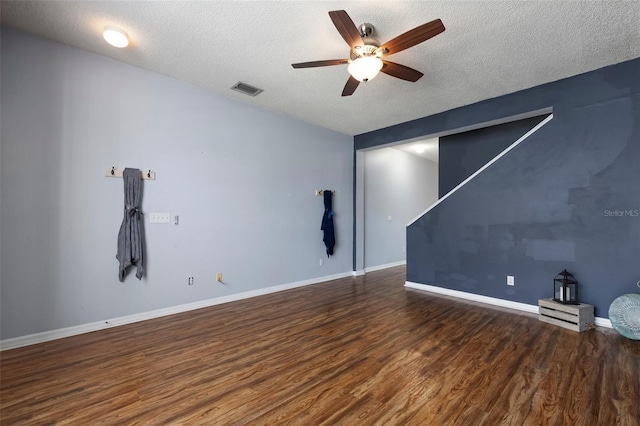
{"x": 160, "y": 218}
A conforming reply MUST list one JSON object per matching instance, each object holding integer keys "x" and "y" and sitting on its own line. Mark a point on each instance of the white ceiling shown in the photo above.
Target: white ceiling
{"x": 489, "y": 48}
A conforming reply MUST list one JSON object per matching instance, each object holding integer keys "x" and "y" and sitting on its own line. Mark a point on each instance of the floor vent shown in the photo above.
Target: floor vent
{"x": 247, "y": 89}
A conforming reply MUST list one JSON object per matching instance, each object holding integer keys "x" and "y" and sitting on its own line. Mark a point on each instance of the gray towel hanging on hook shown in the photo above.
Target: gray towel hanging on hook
{"x": 131, "y": 234}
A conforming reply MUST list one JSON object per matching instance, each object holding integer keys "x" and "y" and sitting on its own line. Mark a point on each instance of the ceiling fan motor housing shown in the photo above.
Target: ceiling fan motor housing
{"x": 369, "y": 48}
{"x": 366, "y": 50}
{"x": 370, "y": 44}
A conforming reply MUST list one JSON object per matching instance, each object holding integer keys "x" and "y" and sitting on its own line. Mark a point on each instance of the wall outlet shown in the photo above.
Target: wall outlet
{"x": 511, "y": 280}
{"x": 219, "y": 277}
{"x": 190, "y": 281}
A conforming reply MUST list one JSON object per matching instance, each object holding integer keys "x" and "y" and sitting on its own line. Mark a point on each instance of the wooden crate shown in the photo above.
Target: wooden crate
{"x": 574, "y": 317}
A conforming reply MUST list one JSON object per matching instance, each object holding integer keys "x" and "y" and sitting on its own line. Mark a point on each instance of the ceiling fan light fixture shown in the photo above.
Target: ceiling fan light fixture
{"x": 115, "y": 37}
{"x": 365, "y": 51}
{"x": 365, "y": 68}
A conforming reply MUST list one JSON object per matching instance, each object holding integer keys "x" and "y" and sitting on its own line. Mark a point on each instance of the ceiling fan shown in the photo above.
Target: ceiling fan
{"x": 366, "y": 52}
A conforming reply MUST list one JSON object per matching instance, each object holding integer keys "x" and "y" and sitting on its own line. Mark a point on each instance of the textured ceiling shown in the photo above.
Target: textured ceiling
{"x": 489, "y": 48}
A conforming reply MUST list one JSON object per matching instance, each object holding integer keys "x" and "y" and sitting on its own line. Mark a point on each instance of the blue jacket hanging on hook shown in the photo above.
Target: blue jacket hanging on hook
{"x": 327, "y": 223}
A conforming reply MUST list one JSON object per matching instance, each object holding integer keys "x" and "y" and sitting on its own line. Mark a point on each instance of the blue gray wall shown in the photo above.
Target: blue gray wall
{"x": 567, "y": 197}
{"x": 242, "y": 180}
{"x": 460, "y": 155}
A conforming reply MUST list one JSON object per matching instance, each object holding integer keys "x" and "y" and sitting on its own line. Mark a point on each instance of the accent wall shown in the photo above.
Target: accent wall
{"x": 462, "y": 154}
{"x": 568, "y": 196}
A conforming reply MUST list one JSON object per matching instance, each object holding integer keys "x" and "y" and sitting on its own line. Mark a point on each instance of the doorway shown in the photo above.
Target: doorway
{"x": 395, "y": 184}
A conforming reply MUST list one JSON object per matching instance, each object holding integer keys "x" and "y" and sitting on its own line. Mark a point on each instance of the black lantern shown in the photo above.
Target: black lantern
{"x": 565, "y": 288}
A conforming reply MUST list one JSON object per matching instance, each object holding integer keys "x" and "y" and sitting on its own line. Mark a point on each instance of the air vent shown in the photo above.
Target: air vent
{"x": 247, "y": 89}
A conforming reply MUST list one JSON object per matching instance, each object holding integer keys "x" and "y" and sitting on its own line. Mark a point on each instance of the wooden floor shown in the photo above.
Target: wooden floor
{"x": 355, "y": 351}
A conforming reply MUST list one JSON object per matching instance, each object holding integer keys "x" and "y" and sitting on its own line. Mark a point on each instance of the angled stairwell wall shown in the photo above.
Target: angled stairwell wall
{"x": 566, "y": 197}
{"x": 462, "y": 154}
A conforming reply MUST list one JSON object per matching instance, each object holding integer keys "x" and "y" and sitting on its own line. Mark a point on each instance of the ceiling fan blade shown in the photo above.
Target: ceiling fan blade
{"x": 412, "y": 37}
{"x": 346, "y": 28}
{"x": 400, "y": 71}
{"x": 350, "y": 87}
{"x": 326, "y": 63}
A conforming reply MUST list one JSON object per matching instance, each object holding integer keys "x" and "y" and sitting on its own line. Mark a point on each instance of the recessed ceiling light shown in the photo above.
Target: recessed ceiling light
{"x": 115, "y": 37}
{"x": 420, "y": 149}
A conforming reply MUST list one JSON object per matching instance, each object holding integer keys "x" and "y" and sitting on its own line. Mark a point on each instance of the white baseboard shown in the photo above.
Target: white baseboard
{"x": 358, "y": 273}
{"x": 46, "y": 336}
{"x": 525, "y": 307}
{"x": 603, "y": 322}
{"x": 385, "y": 266}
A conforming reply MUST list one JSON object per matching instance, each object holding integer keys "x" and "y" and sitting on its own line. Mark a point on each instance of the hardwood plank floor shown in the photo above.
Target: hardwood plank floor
{"x": 355, "y": 351}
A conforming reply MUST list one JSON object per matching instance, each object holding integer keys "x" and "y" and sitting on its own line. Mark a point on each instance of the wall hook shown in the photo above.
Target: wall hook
{"x": 115, "y": 172}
